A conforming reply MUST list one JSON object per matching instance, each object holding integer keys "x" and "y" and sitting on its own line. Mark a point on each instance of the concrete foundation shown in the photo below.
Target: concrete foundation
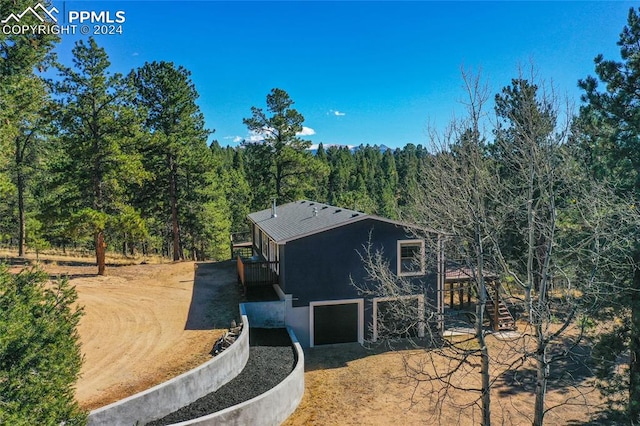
{"x": 269, "y": 409}
{"x": 169, "y": 396}
{"x": 266, "y": 314}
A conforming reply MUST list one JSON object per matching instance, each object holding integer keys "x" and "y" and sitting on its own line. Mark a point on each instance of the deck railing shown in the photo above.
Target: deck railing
{"x": 256, "y": 273}
{"x": 240, "y": 244}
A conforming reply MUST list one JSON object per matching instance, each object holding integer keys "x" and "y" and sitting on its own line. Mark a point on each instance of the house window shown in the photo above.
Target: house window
{"x": 410, "y": 257}
{"x": 401, "y": 316}
{"x": 265, "y": 245}
{"x": 274, "y": 256}
{"x": 256, "y": 237}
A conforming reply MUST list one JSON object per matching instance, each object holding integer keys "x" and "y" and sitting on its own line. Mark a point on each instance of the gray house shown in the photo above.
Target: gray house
{"x": 311, "y": 253}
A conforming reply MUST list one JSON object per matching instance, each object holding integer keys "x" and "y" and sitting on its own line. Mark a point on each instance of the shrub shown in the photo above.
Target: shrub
{"x": 40, "y": 356}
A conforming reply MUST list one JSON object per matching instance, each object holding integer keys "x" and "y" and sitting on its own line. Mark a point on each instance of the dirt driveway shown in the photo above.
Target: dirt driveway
{"x": 144, "y": 324}
{"x": 348, "y": 384}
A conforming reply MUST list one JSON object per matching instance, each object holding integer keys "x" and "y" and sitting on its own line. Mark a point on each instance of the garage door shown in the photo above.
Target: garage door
{"x": 399, "y": 317}
{"x": 335, "y": 323}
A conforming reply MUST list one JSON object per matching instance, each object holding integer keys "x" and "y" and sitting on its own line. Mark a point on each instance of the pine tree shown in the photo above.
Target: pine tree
{"x": 612, "y": 118}
{"x": 23, "y": 98}
{"x": 279, "y": 166}
{"x": 177, "y": 144}
{"x": 40, "y": 356}
{"x": 99, "y": 132}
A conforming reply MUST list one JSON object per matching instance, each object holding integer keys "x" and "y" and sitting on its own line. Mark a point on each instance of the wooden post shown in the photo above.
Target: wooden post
{"x": 451, "y": 290}
{"x": 496, "y": 306}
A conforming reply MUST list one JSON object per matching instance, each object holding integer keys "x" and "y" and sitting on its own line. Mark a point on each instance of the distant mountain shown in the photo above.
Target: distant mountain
{"x": 314, "y": 148}
{"x": 383, "y": 148}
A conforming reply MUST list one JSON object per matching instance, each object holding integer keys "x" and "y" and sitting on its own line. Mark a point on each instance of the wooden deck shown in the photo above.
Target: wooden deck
{"x": 460, "y": 285}
{"x": 256, "y": 273}
{"x": 240, "y": 244}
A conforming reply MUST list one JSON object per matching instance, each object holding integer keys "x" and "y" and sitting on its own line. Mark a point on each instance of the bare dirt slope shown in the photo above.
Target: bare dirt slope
{"x": 352, "y": 385}
{"x": 143, "y": 324}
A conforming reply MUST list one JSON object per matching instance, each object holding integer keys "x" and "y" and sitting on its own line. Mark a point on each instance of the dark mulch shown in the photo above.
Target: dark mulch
{"x": 271, "y": 359}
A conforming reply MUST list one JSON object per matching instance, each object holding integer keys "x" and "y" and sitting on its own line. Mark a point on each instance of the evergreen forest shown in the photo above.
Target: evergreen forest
{"x": 100, "y": 162}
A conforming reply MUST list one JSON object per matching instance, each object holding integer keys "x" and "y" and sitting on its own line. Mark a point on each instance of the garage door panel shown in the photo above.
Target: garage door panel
{"x": 397, "y": 319}
{"x": 401, "y": 317}
{"x": 335, "y": 323}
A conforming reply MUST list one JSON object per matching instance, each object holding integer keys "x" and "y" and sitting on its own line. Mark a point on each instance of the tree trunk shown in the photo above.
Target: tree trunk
{"x": 21, "y": 185}
{"x": 22, "y": 222}
{"x": 278, "y": 179}
{"x": 101, "y": 247}
{"x": 484, "y": 351}
{"x": 173, "y": 191}
{"x": 634, "y": 348}
{"x": 541, "y": 384}
{"x": 486, "y": 384}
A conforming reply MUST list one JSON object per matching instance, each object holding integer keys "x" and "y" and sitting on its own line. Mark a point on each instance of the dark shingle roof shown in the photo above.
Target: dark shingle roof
{"x": 301, "y": 218}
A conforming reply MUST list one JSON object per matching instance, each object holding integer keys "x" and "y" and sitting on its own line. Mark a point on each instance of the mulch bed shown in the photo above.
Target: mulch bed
{"x": 271, "y": 359}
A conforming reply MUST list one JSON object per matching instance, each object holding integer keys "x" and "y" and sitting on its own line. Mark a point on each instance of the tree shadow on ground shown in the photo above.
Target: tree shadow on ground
{"x": 71, "y": 276}
{"x": 606, "y": 417}
{"x": 26, "y": 262}
{"x": 566, "y": 372}
{"x": 215, "y": 298}
{"x": 276, "y": 337}
{"x": 339, "y": 355}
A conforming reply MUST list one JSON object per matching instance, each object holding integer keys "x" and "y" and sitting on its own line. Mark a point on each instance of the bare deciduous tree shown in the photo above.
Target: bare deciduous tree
{"x": 519, "y": 209}
{"x": 452, "y": 198}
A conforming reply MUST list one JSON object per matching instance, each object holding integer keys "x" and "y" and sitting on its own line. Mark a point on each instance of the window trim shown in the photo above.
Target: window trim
{"x": 421, "y": 310}
{"x": 402, "y": 243}
{"x": 359, "y": 302}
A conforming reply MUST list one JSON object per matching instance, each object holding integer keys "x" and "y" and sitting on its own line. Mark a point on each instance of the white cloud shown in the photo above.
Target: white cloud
{"x": 260, "y": 136}
{"x": 306, "y": 131}
{"x": 234, "y": 139}
{"x": 255, "y": 137}
{"x": 339, "y": 114}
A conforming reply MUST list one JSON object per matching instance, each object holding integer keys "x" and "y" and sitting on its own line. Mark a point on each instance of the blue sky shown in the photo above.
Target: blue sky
{"x": 359, "y": 72}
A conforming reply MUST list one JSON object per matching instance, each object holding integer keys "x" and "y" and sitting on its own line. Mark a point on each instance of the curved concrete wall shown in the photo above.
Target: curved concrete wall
{"x": 271, "y": 408}
{"x": 169, "y": 396}
{"x": 266, "y": 314}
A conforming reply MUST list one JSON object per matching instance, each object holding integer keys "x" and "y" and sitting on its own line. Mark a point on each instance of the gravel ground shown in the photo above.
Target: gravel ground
{"x": 271, "y": 359}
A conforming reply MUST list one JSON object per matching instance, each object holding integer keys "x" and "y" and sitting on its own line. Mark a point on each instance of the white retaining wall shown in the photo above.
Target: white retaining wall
{"x": 269, "y": 409}
{"x": 169, "y": 396}
{"x": 266, "y": 314}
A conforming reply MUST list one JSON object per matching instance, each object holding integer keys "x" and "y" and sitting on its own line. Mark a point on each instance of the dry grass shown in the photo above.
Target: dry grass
{"x": 345, "y": 384}
{"x": 143, "y": 323}
{"x": 55, "y": 257}
{"x": 351, "y": 385}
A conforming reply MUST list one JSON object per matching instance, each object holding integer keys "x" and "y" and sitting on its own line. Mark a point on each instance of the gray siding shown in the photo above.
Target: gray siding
{"x": 321, "y": 266}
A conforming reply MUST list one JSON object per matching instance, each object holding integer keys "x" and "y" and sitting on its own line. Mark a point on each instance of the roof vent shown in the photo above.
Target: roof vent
{"x": 274, "y": 213}
{"x": 315, "y": 211}
{"x": 355, "y": 214}
{"x": 338, "y": 211}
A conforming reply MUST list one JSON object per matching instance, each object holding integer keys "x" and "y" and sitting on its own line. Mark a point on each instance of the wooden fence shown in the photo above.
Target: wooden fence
{"x": 256, "y": 273}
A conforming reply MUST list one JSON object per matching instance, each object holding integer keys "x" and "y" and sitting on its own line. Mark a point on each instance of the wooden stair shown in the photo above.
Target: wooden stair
{"x": 499, "y": 316}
